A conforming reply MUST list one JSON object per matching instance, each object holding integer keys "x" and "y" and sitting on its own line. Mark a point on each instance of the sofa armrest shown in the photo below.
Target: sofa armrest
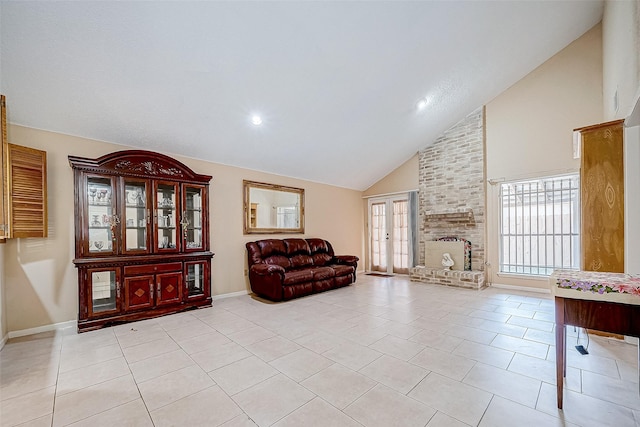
{"x": 266, "y": 269}
{"x": 266, "y": 280}
{"x": 347, "y": 260}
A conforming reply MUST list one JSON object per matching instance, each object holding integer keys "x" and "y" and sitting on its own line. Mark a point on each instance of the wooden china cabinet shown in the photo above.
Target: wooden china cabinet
{"x": 142, "y": 237}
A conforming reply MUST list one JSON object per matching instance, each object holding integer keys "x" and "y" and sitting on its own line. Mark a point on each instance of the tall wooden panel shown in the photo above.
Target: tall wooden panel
{"x": 27, "y": 191}
{"x": 602, "y": 197}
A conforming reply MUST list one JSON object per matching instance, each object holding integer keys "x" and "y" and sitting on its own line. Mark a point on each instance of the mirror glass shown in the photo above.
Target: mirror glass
{"x": 270, "y": 208}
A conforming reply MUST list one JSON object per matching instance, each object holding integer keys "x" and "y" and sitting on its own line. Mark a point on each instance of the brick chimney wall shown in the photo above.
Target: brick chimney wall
{"x": 452, "y": 179}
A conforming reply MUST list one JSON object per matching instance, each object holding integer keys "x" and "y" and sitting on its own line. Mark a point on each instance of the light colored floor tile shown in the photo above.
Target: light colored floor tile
{"x": 399, "y": 330}
{"x": 460, "y": 401}
{"x": 168, "y": 388}
{"x": 384, "y": 407}
{"x": 353, "y": 356}
{"x": 232, "y": 326}
{"x": 161, "y": 364}
{"x": 338, "y": 385}
{"x": 489, "y": 315}
{"x": 485, "y": 354}
{"x": 134, "y": 336}
{"x": 589, "y": 362}
{"x": 447, "y": 364}
{"x": 541, "y": 336}
{"x": 28, "y": 382}
{"x": 217, "y": 357}
{"x": 149, "y": 349}
{"x": 397, "y": 347}
{"x": 396, "y": 374}
{"x": 272, "y": 399}
{"x": 273, "y": 348}
{"x": 85, "y": 377}
{"x": 503, "y": 328}
{"x": 251, "y": 335}
{"x": 441, "y": 419}
{"x": 77, "y": 342}
{"x": 437, "y": 340}
{"x": 317, "y": 413}
{"x": 584, "y": 410}
{"x": 522, "y": 346}
{"x": 544, "y": 370}
{"x": 38, "y": 422}
{"x": 132, "y": 414}
{"x": 242, "y": 374}
{"x": 363, "y": 335}
{"x": 301, "y": 364}
{"x": 472, "y": 334}
{"x": 90, "y": 356}
{"x": 189, "y": 331}
{"x": 93, "y": 400}
{"x": 240, "y": 421}
{"x": 505, "y": 413}
{"x": 610, "y": 389}
{"x": 320, "y": 341}
{"x": 507, "y": 384}
{"x": 203, "y": 342}
{"x": 209, "y": 407}
{"x": 27, "y": 407}
{"x": 531, "y": 323}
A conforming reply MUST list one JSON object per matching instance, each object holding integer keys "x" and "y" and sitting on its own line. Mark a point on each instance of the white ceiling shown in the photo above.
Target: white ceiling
{"x": 335, "y": 82}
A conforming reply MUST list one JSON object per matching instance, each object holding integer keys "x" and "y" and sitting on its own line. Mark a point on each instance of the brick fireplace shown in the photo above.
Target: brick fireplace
{"x": 452, "y": 199}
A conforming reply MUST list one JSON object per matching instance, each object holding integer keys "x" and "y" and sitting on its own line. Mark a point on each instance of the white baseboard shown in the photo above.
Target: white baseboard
{"x": 521, "y": 288}
{"x": 39, "y": 329}
{"x": 230, "y": 295}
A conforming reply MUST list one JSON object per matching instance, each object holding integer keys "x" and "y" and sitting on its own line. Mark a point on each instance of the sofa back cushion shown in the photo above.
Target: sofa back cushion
{"x": 274, "y": 251}
{"x": 321, "y": 251}
{"x": 298, "y": 253}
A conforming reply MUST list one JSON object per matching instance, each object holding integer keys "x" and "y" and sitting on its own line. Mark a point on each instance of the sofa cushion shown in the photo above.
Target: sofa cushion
{"x": 297, "y": 276}
{"x": 269, "y": 247}
{"x": 321, "y": 259}
{"x": 323, "y": 273}
{"x": 318, "y": 245}
{"x": 342, "y": 270}
{"x": 298, "y": 253}
{"x": 280, "y": 260}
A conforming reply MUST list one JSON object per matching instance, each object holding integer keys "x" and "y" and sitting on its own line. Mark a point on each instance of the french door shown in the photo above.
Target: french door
{"x": 389, "y": 235}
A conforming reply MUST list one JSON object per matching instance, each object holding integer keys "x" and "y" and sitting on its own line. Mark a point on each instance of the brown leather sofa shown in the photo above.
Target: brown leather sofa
{"x": 282, "y": 269}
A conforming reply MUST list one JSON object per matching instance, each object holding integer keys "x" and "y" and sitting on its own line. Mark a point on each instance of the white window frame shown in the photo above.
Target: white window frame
{"x": 556, "y": 239}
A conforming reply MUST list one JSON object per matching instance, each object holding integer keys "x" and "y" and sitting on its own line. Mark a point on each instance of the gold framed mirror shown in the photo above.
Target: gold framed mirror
{"x": 272, "y": 209}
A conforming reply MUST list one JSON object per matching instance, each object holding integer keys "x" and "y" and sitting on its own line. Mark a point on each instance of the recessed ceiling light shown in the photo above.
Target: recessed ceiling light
{"x": 422, "y": 104}
{"x": 256, "y": 120}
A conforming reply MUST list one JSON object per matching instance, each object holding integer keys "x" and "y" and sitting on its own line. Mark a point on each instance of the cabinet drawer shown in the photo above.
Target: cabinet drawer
{"x": 133, "y": 270}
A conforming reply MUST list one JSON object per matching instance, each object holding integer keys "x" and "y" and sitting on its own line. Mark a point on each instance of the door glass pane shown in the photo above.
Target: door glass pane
{"x": 193, "y": 216}
{"x": 103, "y": 291}
{"x": 195, "y": 279}
{"x": 378, "y": 237}
{"x": 101, "y": 215}
{"x": 135, "y": 216}
{"x": 400, "y": 236}
{"x": 166, "y": 219}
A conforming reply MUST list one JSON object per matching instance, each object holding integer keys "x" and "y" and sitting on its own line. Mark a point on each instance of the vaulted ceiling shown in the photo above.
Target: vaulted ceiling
{"x": 336, "y": 83}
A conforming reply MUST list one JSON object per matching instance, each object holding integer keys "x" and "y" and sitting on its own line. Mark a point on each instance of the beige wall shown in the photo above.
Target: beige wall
{"x": 3, "y": 311}
{"x": 621, "y": 57}
{"x": 41, "y": 281}
{"x": 529, "y": 127}
{"x": 621, "y": 73}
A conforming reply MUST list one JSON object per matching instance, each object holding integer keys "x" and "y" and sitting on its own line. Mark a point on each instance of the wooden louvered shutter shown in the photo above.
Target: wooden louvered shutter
{"x": 3, "y": 189}
{"x": 27, "y": 185}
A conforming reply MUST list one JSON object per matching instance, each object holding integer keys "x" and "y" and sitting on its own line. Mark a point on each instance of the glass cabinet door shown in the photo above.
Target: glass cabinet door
{"x": 166, "y": 207}
{"x": 196, "y": 276}
{"x": 104, "y": 291}
{"x": 101, "y": 216}
{"x": 136, "y": 217}
{"x": 192, "y": 220}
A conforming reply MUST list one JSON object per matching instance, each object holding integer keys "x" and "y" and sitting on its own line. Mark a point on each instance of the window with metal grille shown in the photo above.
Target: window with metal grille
{"x": 540, "y": 225}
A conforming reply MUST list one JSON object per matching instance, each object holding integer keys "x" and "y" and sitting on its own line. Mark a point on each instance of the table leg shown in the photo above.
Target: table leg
{"x": 561, "y": 340}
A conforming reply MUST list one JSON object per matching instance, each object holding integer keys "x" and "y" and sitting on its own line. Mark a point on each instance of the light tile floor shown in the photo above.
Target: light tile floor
{"x": 382, "y": 352}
